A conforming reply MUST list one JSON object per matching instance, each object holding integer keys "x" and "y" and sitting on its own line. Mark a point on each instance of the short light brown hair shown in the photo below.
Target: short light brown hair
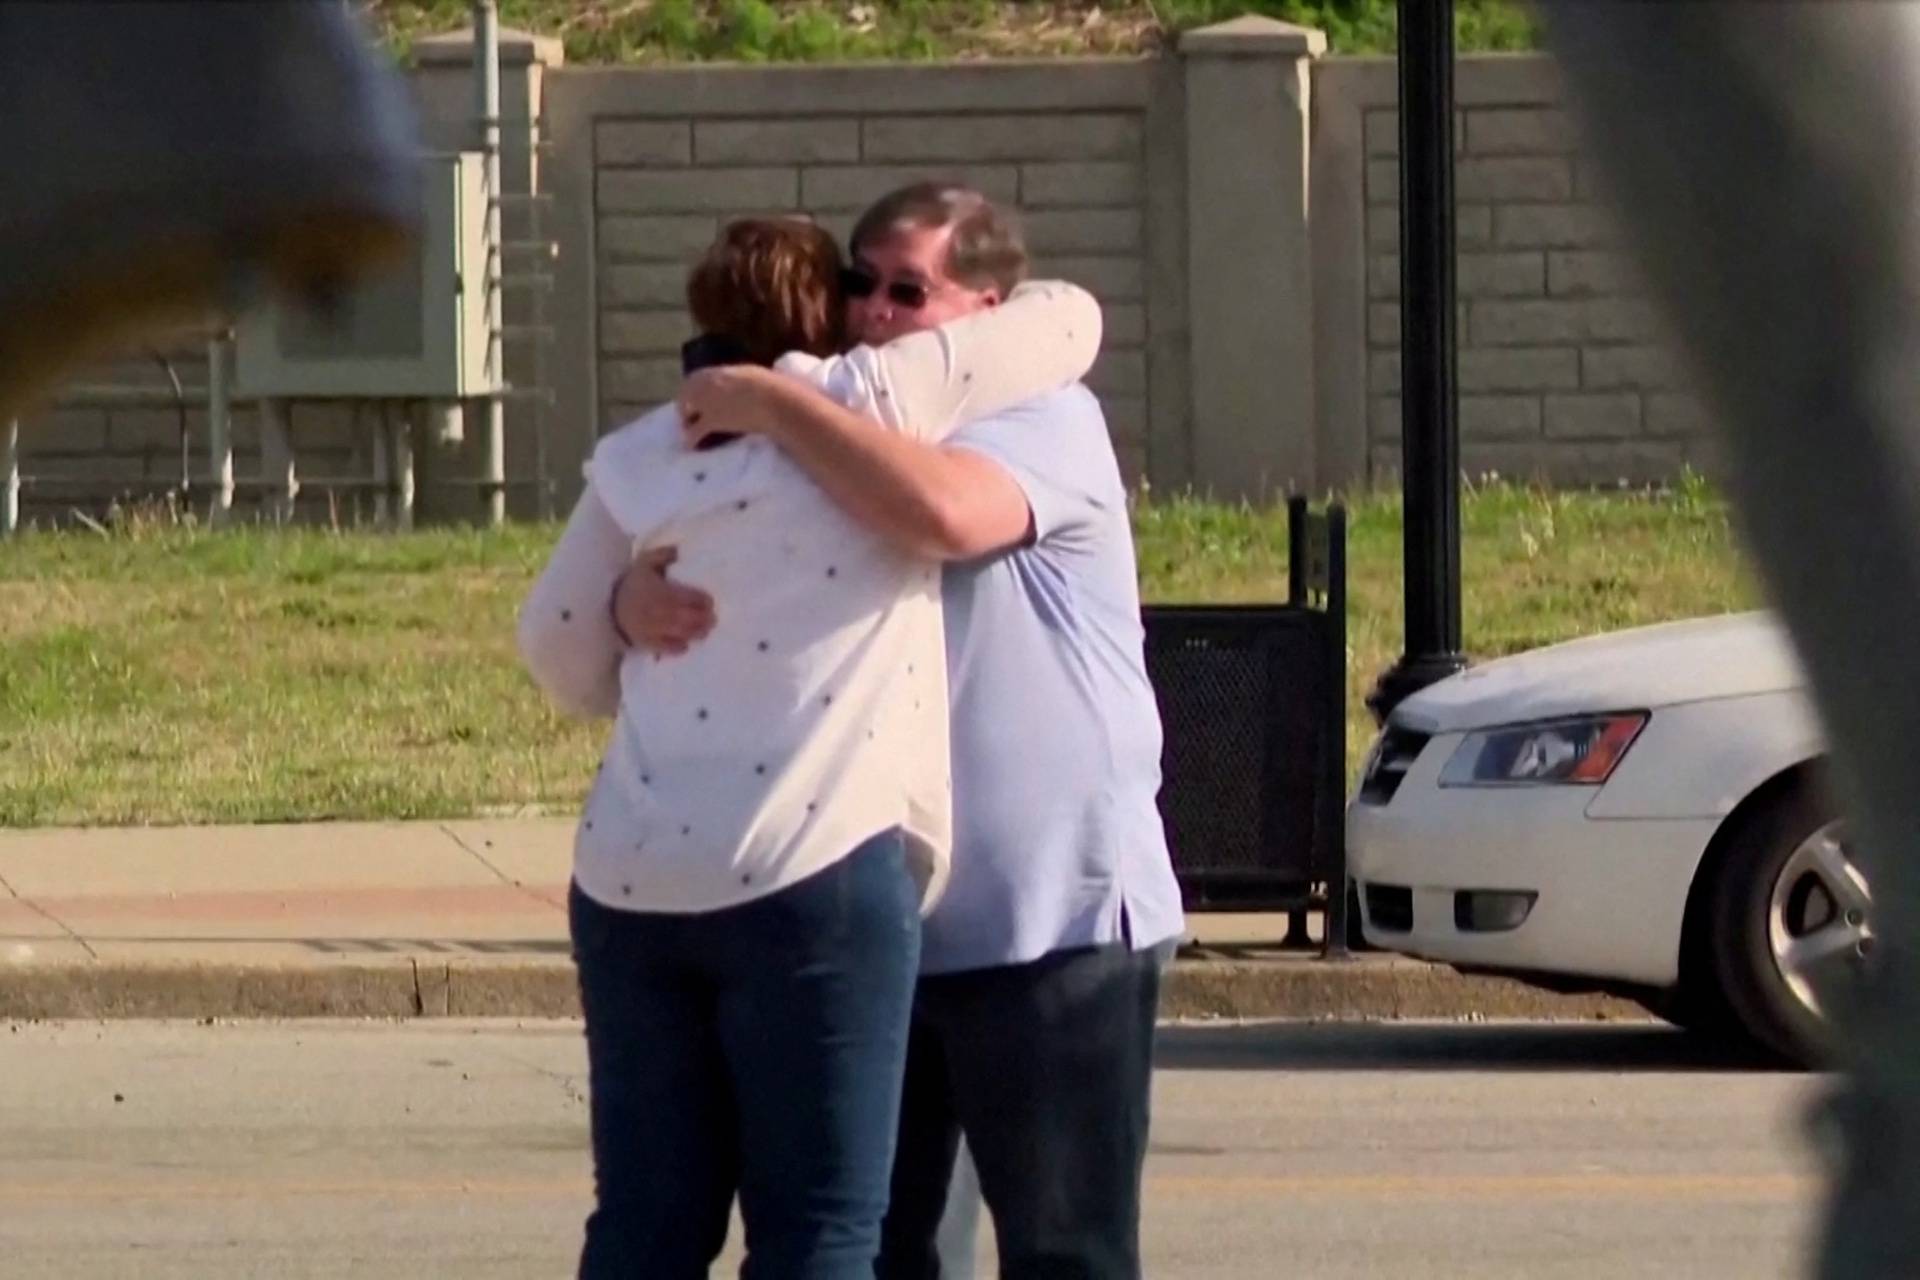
{"x": 987, "y": 249}
{"x": 773, "y": 286}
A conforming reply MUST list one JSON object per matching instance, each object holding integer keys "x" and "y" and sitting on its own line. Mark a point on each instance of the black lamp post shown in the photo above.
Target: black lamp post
{"x": 1429, "y": 421}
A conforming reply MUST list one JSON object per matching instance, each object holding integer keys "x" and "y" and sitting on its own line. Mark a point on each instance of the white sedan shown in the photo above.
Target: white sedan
{"x": 1641, "y": 812}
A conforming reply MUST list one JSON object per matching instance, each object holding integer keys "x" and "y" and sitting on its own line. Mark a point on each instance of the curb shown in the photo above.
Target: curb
{"x": 1361, "y": 990}
{"x": 1352, "y": 990}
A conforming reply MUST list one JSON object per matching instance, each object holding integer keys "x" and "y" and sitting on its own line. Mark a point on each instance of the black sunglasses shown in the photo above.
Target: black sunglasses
{"x": 858, "y": 282}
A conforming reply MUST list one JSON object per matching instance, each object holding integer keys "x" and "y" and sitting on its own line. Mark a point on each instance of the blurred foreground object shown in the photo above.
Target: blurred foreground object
{"x": 1764, "y": 159}
{"x": 167, "y": 160}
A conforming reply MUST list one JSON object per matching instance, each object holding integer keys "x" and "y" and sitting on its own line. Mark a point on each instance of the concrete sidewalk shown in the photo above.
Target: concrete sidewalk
{"x": 468, "y": 919}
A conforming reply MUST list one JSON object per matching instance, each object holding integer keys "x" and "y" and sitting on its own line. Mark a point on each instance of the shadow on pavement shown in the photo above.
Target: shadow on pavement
{"x": 336, "y": 946}
{"x": 1426, "y": 1046}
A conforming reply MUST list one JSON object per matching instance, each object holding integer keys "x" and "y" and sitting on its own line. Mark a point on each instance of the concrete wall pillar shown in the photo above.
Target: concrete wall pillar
{"x": 1250, "y": 324}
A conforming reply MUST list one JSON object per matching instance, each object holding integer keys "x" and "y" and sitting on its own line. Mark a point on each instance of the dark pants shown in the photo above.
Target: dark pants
{"x": 758, "y": 1048}
{"x": 1046, "y": 1067}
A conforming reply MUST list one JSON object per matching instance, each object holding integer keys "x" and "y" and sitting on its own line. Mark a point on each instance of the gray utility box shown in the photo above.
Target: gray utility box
{"x": 417, "y": 331}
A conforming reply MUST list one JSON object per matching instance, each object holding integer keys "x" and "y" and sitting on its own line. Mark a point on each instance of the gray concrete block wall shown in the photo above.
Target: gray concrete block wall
{"x": 75, "y": 456}
{"x": 1117, "y": 169}
{"x": 1566, "y": 372}
{"x": 69, "y": 450}
{"x": 664, "y": 187}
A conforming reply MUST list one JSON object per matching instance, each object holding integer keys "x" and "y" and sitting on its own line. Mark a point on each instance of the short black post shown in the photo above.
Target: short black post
{"x": 1296, "y": 550}
{"x": 1333, "y": 783}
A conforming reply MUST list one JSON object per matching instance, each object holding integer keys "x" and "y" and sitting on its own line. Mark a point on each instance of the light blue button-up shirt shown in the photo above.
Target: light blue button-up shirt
{"x": 1058, "y": 841}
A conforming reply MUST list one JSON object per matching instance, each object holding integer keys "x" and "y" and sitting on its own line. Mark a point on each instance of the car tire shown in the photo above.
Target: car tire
{"x": 1786, "y": 907}
{"x": 1699, "y": 1012}
{"x": 1356, "y": 922}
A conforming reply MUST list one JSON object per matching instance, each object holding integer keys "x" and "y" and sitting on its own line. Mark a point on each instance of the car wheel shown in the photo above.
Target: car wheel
{"x": 1792, "y": 924}
{"x": 1703, "y": 1013}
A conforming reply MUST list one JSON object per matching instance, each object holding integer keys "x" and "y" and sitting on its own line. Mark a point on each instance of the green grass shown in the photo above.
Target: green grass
{"x": 165, "y": 675}
{"x": 182, "y": 676}
{"x": 602, "y": 31}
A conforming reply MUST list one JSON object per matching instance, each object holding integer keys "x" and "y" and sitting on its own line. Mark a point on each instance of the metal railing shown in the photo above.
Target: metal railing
{"x": 17, "y": 482}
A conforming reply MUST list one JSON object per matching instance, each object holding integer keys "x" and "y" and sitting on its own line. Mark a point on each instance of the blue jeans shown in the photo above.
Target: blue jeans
{"x": 758, "y": 1049}
{"x": 1046, "y": 1068}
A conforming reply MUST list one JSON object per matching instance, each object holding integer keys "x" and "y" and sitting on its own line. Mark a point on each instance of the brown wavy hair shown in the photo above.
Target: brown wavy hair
{"x": 773, "y": 286}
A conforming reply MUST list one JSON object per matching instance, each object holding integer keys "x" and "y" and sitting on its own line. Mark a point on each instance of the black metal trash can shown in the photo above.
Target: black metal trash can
{"x": 1253, "y": 705}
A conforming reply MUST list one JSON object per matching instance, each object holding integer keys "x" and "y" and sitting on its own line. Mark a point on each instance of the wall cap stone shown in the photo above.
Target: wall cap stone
{"x": 1253, "y": 36}
{"x": 517, "y": 49}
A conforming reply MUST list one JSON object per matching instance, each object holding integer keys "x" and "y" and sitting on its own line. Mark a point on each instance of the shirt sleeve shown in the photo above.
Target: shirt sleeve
{"x": 1057, "y": 449}
{"x": 633, "y": 471}
{"x": 847, "y": 384}
{"x": 565, "y": 631}
{"x": 1045, "y": 336}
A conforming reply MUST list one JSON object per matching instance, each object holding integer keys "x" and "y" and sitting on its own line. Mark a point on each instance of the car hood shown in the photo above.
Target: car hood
{"x": 1726, "y": 657}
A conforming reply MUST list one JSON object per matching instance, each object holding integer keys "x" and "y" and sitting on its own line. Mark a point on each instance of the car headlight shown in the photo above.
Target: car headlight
{"x": 1580, "y": 752}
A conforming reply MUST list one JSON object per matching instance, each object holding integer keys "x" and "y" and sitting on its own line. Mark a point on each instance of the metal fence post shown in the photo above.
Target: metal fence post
{"x": 486, "y": 26}
{"x": 10, "y": 478}
{"x": 279, "y": 481}
{"x": 1333, "y": 783}
{"x": 220, "y": 426}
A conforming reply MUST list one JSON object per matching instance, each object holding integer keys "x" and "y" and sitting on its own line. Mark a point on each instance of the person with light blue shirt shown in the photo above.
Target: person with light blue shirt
{"x": 1032, "y": 1029}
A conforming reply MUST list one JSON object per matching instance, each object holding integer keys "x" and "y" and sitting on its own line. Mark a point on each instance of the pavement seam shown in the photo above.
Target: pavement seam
{"x": 502, "y": 876}
{"x": 423, "y": 987}
{"x": 50, "y": 918}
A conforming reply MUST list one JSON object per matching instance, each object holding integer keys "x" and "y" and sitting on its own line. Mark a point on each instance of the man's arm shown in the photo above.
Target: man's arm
{"x": 655, "y": 614}
{"x": 944, "y": 504}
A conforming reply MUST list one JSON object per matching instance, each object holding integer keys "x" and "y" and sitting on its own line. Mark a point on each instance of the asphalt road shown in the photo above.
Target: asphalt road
{"x": 1287, "y": 1150}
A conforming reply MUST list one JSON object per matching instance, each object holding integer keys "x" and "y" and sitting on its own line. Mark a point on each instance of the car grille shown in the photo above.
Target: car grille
{"x": 1397, "y": 750}
{"x": 1390, "y": 907}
